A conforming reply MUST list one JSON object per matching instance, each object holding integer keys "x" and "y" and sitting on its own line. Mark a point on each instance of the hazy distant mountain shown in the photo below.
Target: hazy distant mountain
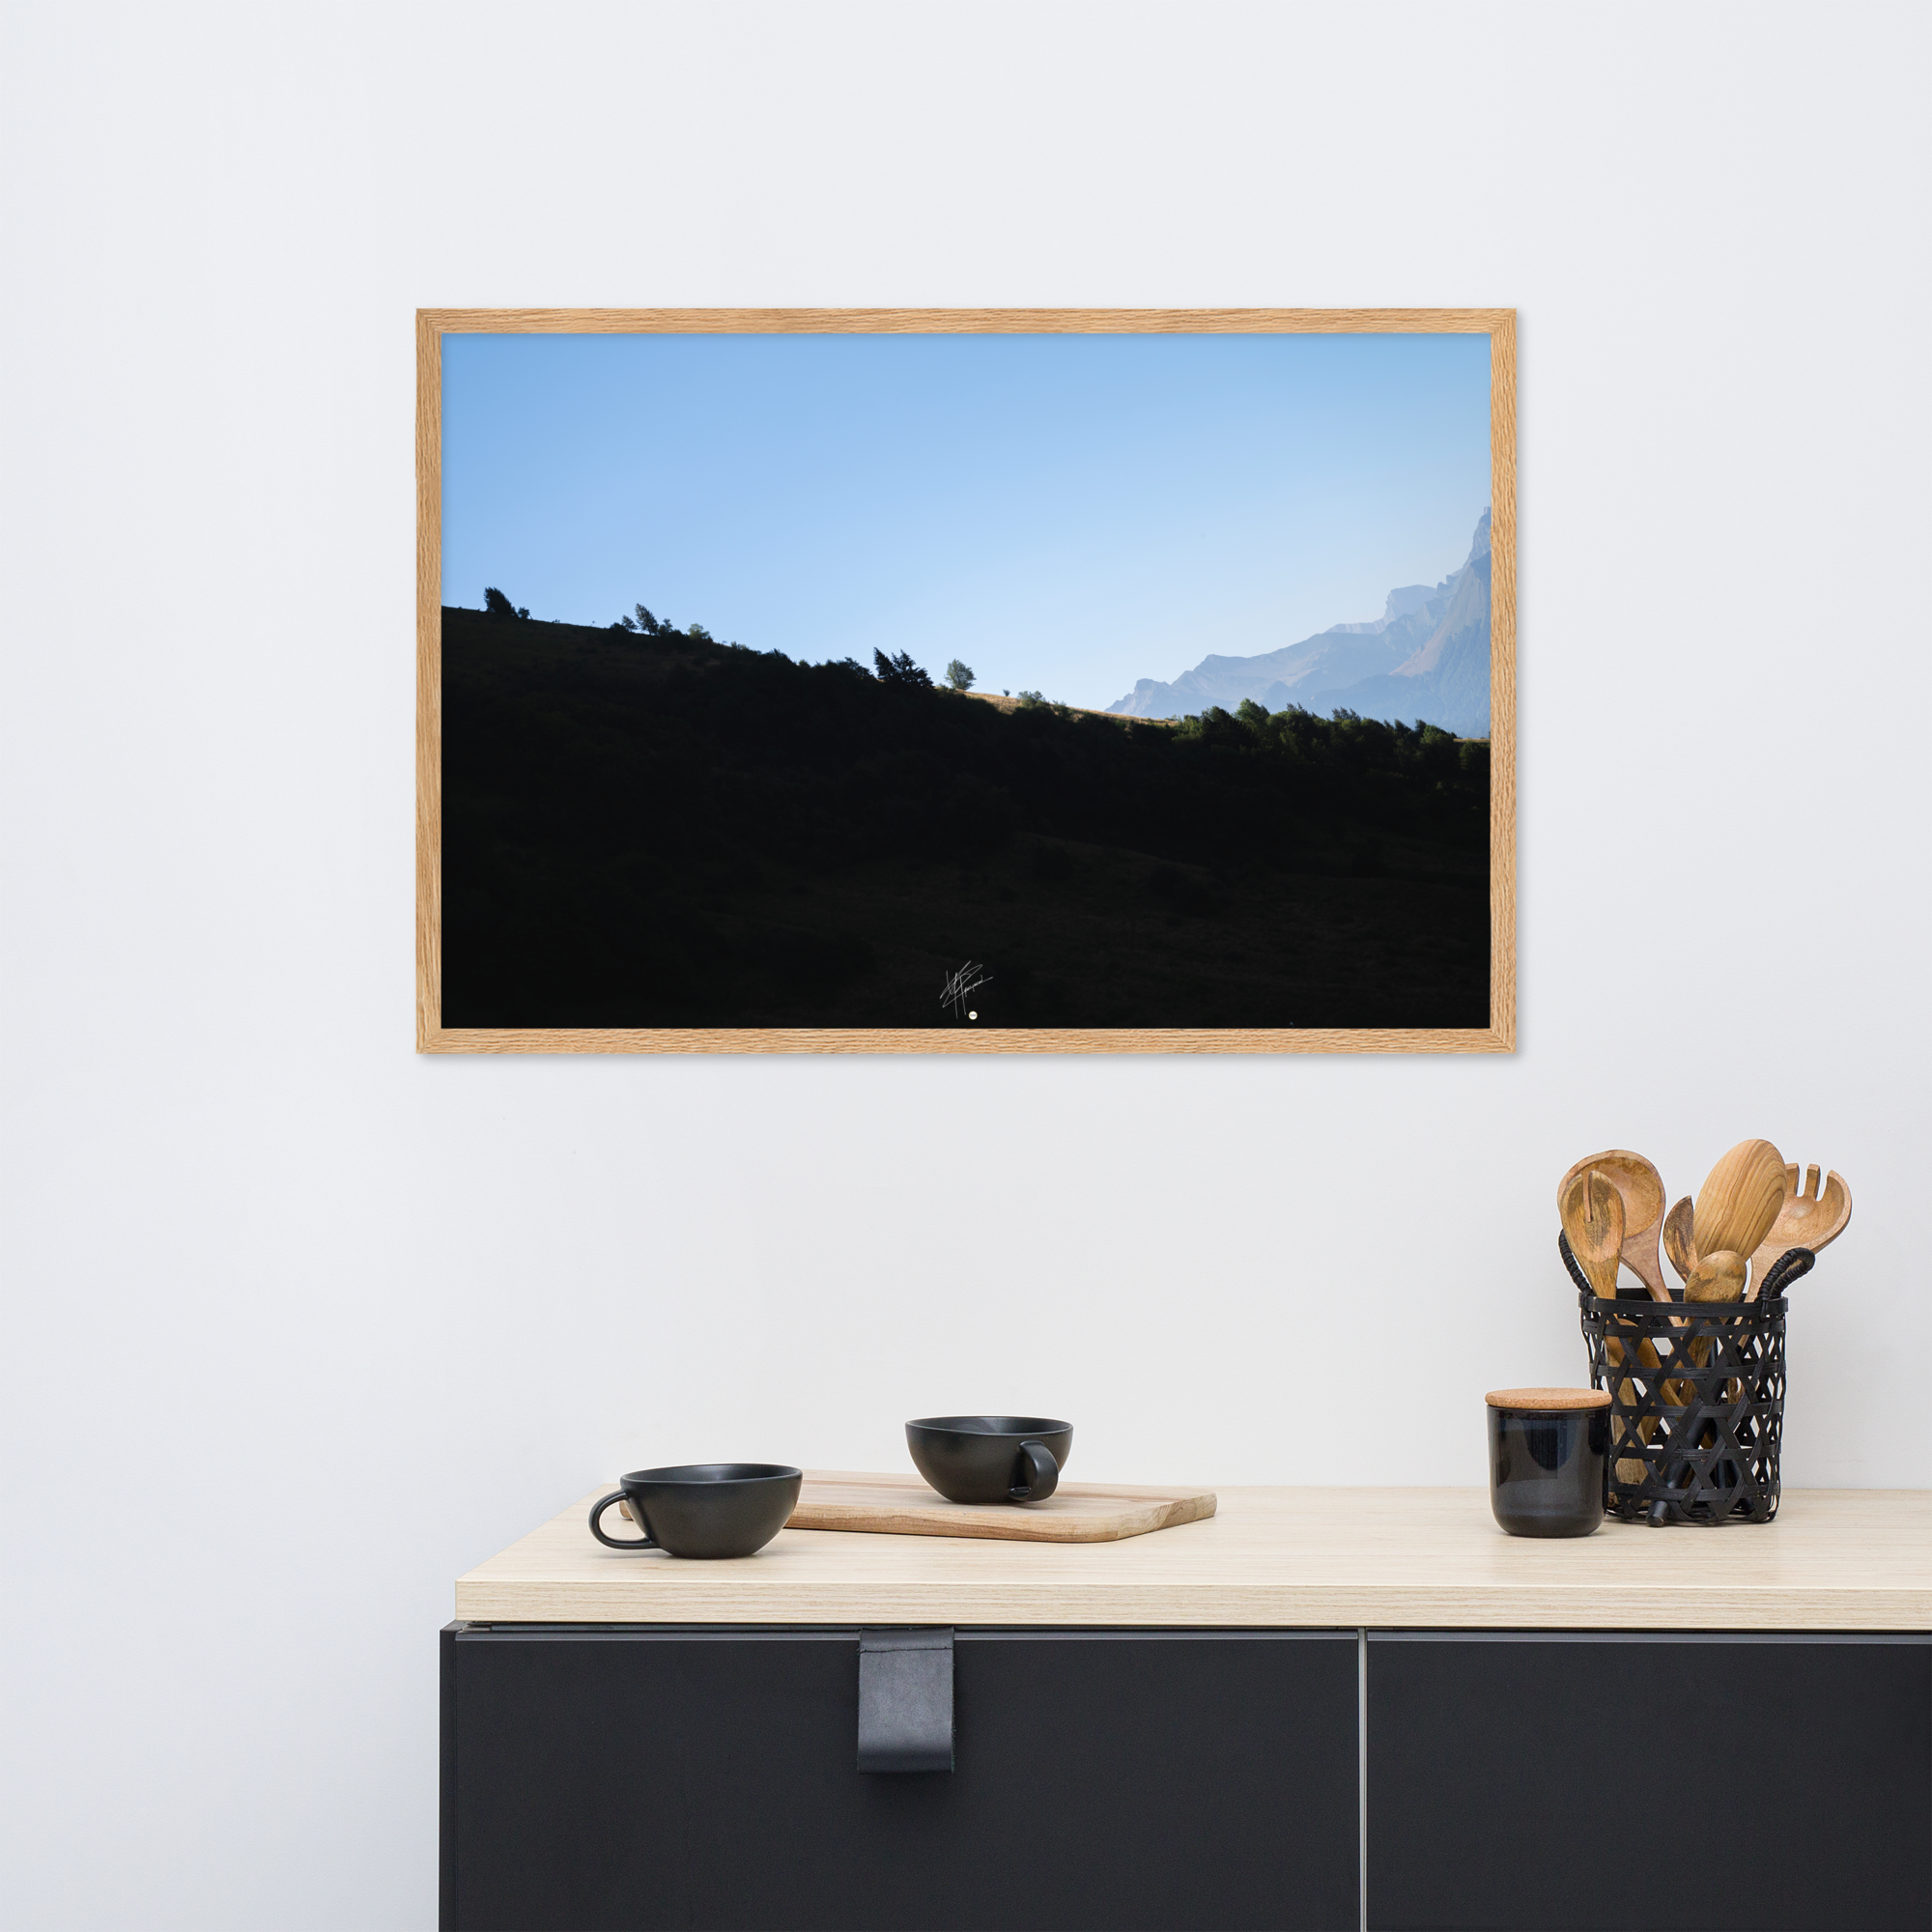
{"x": 1427, "y": 656}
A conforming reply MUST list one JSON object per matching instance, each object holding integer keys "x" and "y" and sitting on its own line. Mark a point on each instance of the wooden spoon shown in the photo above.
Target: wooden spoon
{"x": 1680, "y": 1239}
{"x": 1809, "y": 1217}
{"x": 1717, "y": 1277}
{"x": 1641, "y": 1187}
{"x": 1593, "y": 1219}
{"x": 1738, "y": 1200}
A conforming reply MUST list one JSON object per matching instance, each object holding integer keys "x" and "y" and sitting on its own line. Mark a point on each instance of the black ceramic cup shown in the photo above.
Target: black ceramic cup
{"x": 703, "y": 1509}
{"x": 990, "y": 1458}
{"x": 1548, "y": 1450}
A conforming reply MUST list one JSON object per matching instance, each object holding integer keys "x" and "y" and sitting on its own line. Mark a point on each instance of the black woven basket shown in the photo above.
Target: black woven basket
{"x": 1697, "y": 1399}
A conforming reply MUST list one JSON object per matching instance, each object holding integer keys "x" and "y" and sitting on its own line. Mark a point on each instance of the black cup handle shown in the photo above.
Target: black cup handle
{"x": 597, "y": 1510}
{"x": 1042, "y": 1474}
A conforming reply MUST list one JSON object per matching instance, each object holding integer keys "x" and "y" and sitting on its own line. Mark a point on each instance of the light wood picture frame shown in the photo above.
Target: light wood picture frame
{"x": 433, "y": 1035}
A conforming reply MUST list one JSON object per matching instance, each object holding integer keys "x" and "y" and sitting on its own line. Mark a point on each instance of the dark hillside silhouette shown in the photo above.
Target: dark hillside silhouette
{"x": 648, "y": 828}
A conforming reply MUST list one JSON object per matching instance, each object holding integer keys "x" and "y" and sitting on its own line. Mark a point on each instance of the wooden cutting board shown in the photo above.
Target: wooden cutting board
{"x": 1075, "y": 1512}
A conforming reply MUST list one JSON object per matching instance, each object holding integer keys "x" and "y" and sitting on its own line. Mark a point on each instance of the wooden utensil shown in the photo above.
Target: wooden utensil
{"x": 1808, "y": 1217}
{"x": 1736, "y": 1207}
{"x": 1680, "y": 1239}
{"x": 1739, "y": 1199}
{"x": 1641, "y": 1187}
{"x": 1593, "y": 1220}
{"x": 1717, "y": 1277}
{"x": 1593, "y": 1224}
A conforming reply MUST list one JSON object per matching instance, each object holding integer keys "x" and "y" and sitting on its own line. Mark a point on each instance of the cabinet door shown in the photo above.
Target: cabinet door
{"x": 1556, "y": 1781}
{"x": 597, "y": 1779}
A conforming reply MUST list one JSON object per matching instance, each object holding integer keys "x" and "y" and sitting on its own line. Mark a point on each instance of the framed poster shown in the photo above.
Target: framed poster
{"x": 966, "y": 680}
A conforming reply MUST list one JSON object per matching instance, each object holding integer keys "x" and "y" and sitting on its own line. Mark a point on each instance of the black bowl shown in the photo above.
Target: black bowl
{"x": 990, "y": 1458}
{"x": 703, "y": 1509}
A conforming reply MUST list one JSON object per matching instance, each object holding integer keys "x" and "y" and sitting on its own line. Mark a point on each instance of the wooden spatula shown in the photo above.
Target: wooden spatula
{"x": 1641, "y": 1187}
{"x": 1739, "y": 1199}
{"x": 1736, "y": 1207}
{"x": 1593, "y": 1218}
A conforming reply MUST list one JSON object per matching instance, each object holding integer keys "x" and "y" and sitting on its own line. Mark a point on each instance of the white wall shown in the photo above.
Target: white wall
{"x": 301, "y": 1326}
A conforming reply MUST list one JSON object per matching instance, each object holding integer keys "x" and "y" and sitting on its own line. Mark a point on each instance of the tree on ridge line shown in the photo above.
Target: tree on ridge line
{"x": 900, "y": 670}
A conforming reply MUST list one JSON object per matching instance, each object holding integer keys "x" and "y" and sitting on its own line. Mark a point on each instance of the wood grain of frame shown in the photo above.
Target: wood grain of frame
{"x": 432, "y": 325}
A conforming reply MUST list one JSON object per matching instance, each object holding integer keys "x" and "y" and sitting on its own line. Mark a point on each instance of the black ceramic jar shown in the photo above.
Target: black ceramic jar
{"x": 1549, "y": 1449}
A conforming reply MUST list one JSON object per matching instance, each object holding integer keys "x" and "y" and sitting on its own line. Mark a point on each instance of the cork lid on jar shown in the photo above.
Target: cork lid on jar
{"x": 1547, "y": 1401}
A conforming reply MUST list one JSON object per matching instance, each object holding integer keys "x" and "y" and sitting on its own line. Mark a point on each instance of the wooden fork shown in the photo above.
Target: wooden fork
{"x": 1809, "y": 1217}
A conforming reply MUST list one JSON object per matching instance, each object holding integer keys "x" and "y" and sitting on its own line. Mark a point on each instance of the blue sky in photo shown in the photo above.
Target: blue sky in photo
{"x": 1067, "y": 513}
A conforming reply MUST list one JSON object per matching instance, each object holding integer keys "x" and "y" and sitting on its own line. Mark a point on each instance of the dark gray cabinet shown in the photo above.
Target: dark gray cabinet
{"x": 604, "y": 1778}
{"x": 1555, "y": 1781}
{"x": 600, "y": 1778}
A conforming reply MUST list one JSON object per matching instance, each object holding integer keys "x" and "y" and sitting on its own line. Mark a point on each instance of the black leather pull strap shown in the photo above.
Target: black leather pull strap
{"x": 905, "y": 1700}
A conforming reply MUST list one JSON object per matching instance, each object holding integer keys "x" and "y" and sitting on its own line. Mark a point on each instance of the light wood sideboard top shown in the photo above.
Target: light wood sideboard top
{"x": 1314, "y": 1558}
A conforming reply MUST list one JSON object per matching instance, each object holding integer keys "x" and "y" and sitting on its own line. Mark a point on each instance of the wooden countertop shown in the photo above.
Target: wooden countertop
{"x": 1835, "y": 1559}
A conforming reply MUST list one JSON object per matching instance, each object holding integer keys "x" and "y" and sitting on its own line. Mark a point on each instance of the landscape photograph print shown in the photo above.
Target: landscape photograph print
{"x": 961, "y": 680}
